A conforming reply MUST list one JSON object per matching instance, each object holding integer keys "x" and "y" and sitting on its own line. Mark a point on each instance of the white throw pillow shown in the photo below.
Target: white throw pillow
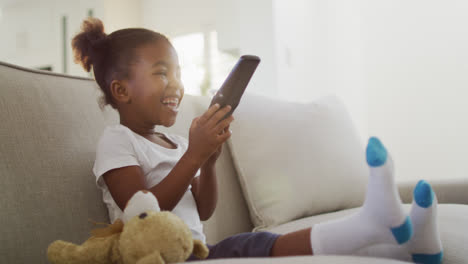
{"x": 296, "y": 160}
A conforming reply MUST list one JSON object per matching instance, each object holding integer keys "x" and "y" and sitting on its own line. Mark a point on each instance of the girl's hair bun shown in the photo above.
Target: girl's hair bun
{"x": 89, "y": 45}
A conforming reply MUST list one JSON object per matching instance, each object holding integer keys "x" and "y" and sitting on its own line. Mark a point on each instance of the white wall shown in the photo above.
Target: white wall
{"x": 118, "y": 14}
{"x": 416, "y": 79}
{"x": 320, "y": 53}
{"x": 399, "y": 66}
{"x": 257, "y": 37}
{"x": 27, "y": 42}
{"x": 178, "y": 17}
{"x": 34, "y": 29}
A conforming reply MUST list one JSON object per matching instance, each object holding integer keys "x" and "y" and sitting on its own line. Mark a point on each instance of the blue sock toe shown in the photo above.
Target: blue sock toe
{"x": 376, "y": 153}
{"x": 404, "y": 232}
{"x": 423, "y": 194}
{"x": 428, "y": 258}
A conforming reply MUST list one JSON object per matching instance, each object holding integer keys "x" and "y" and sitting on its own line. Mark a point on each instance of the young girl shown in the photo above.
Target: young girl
{"x": 138, "y": 72}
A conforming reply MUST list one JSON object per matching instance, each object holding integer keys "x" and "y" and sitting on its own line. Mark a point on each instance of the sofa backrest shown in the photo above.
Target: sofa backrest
{"x": 50, "y": 126}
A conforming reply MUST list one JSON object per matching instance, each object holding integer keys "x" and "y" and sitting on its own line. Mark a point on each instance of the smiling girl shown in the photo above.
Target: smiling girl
{"x": 139, "y": 74}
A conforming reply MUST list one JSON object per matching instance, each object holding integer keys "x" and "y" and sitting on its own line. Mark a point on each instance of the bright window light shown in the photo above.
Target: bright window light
{"x": 191, "y": 58}
{"x": 203, "y": 66}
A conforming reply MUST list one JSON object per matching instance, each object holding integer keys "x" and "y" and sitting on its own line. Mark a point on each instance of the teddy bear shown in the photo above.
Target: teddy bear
{"x": 144, "y": 235}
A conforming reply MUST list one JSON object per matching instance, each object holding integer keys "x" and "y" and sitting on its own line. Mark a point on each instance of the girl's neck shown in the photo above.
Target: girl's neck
{"x": 138, "y": 128}
{"x": 153, "y": 136}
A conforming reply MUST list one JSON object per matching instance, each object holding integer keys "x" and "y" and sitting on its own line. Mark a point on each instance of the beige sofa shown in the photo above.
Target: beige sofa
{"x": 50, "y": 126}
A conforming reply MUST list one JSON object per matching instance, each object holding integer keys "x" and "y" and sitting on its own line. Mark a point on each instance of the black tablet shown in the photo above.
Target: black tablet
{"x": 234, "y": 86}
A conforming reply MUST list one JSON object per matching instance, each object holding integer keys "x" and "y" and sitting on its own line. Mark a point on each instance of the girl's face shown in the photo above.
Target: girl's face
{"x": 155, "y": 86}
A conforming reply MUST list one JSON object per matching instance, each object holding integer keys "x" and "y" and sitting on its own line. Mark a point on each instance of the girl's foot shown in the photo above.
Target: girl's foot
{"x": 380, "y": 220}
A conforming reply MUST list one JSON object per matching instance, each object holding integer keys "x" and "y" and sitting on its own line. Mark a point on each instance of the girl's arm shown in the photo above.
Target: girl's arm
{"x": 124, "y": 182}
{"x": 205, "y": 187}
{"x": 205, "y": 138}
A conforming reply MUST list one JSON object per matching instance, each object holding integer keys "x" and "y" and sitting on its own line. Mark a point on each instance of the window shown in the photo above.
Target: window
{"x": 203, "y": 66}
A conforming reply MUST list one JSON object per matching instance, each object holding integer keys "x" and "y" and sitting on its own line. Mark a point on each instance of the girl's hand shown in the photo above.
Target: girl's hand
{"x": 212, "y": 159}
{"x": 208, "y": 133}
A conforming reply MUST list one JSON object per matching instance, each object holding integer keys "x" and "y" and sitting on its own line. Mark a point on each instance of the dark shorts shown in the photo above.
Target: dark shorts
{"x": 256, "y": 244}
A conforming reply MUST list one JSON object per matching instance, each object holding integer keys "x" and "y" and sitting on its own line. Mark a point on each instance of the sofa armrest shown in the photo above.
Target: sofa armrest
{"x": 447, "y": 190}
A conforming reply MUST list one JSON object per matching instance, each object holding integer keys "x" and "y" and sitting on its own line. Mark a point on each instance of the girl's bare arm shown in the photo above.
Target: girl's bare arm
{"x": 205, "y": 192}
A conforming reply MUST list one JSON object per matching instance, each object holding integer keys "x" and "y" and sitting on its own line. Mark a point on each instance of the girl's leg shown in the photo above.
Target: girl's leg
{"x": 293, "y": 244}
{"x": 381, "y": 219}
{"x": 380, "y": 227}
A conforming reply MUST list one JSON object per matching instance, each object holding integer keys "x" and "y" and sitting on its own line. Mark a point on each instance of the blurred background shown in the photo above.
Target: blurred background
{"x": 401, "y": 67}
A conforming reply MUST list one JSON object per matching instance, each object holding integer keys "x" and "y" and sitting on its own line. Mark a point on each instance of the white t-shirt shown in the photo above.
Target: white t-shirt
{"x": 120, "y": 147}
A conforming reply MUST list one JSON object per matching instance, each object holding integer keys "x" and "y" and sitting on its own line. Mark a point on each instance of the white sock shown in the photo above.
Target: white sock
{"x": 425, "y": 247}
{"x": 380, "y": 220}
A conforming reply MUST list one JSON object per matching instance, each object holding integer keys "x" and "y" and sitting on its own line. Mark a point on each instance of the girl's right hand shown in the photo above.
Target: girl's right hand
{"x": 208, "y": 132}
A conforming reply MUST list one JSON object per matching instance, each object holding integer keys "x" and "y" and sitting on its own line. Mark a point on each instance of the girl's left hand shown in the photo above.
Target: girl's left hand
{"x": 214, "y": 157}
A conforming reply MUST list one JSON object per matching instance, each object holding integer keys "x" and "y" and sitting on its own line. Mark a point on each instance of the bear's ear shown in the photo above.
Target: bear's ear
{"x": 140, "y": 202}
{"x": 109, "y": 230}
{"x": 200, "y": 250}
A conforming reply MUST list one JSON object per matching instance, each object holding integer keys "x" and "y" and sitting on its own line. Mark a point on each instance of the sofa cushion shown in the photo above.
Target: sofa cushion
{"x": 304, "y": 260}
{"x": 453, "y": 228}
{"x": 297, "y": 160}
{"x": 50, "y": 126}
